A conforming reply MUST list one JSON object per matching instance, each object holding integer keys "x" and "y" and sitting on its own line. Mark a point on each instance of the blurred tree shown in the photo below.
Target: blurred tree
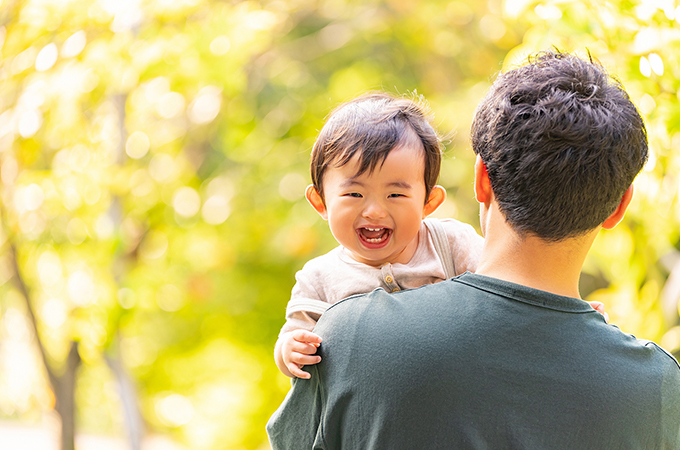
{"x": 153, "y": 159}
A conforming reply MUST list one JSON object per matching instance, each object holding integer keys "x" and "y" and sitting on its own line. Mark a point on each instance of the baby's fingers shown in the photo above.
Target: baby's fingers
{"x": 307, "y": 337}
{"x": 301, "y": 347}
{"x": 296, "y": 371}
{"x": 297, "y": 360}
{"x": 304, "y": 360}
{"x": 599, "y": 307}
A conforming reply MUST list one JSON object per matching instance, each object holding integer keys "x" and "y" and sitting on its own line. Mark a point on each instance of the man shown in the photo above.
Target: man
{"x": 508, "y": 357}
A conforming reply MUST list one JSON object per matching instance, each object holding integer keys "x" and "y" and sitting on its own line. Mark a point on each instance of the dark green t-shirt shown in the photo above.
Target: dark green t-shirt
{"x": 479, "y": 363}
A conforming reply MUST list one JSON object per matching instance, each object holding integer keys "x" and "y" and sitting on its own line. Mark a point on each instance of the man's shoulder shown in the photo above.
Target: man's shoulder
{"x": 358, "y": 304}
{"x": 666, "y": 357}
{"x": 378, "y": 304}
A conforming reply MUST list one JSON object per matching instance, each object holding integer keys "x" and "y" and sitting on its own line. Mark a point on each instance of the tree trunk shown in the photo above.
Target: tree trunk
{"x": 66, "y": 400}
{"x": 62, "y": 386}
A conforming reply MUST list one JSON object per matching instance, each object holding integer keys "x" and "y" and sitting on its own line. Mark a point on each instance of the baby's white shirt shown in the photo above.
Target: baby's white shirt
{"x": 329, "y": 278}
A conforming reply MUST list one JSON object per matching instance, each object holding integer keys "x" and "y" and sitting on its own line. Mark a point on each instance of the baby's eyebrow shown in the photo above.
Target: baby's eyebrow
{"x": 395, "y": 184}
{"x": 399, "y": 184}
{"x": 350, "y": 182}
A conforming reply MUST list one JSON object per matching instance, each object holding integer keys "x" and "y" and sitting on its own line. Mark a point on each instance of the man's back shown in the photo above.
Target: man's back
{"x": 480, "y": 363}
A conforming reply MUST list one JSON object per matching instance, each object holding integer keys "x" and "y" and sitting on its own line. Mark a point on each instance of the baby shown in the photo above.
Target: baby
{"x": 374, "y": 168}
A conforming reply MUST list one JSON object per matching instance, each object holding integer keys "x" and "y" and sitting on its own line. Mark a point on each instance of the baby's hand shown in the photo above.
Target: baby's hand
{"x": 599, "y": 307}
{"x": 298, "y": 349}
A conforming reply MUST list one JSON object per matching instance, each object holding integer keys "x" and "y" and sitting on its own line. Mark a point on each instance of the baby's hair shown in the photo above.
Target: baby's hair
{"x": 373, "y": 125}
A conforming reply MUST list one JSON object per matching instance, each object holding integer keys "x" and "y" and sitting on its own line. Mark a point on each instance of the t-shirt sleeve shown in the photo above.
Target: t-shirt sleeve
{"x": 306, "y": 304}
{"x": 466, "y": 245}
{"x": 296, "y": 424}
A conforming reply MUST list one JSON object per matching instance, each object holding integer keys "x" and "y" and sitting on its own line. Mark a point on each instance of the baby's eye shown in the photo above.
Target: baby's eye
{"x": 395, "y": 195}
{"x": 353, "y": 194}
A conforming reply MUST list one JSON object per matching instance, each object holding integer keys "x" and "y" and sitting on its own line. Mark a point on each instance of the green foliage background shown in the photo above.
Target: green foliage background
{"x": 153, "y": 158}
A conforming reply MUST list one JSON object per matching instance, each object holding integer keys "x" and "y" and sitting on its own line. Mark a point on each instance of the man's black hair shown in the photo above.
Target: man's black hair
{"x": 561, "y": 141}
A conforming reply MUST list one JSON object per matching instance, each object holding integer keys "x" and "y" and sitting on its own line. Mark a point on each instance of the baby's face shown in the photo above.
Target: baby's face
{"x": 376, "y": 216}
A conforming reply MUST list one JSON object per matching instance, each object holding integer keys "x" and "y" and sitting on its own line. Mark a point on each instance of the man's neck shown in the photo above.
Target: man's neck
{"x": 530, "y": 261}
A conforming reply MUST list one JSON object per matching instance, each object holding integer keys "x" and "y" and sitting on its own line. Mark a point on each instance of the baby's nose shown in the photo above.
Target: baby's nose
{"x": 374, "y": 210}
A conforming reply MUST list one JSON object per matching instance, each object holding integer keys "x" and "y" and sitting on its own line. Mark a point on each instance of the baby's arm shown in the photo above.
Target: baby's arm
{"x": 297, "y": 344}
{"x": 295, "y": 349}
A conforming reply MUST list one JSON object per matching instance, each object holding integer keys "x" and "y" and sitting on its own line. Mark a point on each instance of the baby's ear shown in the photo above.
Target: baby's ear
{"x": 315, "y": 199}
{"x": 434, "y": 200}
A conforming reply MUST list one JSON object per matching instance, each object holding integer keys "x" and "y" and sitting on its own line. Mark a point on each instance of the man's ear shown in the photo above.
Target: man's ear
{"x": 315, "y": 199}
{"x": 483, "y": 191}
{"x": 618, "y": 214}
{"x": 434, "y": 200}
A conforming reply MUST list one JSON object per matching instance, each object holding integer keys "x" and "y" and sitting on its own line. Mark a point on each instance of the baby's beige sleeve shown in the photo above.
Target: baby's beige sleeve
{"x": 299, "y": 320}
{"x": 306, "y": 303}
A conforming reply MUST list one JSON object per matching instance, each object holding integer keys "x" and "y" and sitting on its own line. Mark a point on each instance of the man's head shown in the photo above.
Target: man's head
{"x": 561, "y": 142}
{"x": 371, "y": 126}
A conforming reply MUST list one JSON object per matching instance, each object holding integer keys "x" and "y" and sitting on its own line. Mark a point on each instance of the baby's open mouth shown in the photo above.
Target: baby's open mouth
{"x": 375, "y": 235}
